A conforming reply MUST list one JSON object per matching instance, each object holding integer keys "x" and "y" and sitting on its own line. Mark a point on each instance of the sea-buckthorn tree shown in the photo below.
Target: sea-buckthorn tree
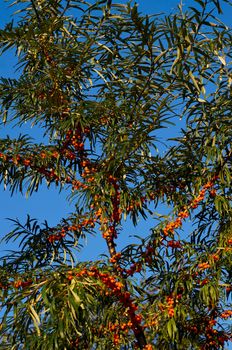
{"x": 136, "y": 114}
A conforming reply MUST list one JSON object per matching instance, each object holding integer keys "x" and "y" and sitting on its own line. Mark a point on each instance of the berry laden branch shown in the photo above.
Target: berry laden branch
{"x": 73, "y": 150}
{"x": 118, "y": 288}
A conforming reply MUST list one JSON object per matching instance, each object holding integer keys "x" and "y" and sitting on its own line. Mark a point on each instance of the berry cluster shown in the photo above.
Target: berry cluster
{"x": 170, "y": 307}
{"x": 171, "y": 226}
{"x": 28, "y": 160}
{"x": 109, "y": 221}
{"x": 116, "y": 214}
{"x": 116, "y": 329}
{"x": 88, "y": 170}
{"x": 226, "y": 314}
{"x": 136, "y": 267}
{"x": 56, "y": 237}
{"x": 110, "y": 233}
{"x": 137, "y": 204}
{"x": 74, "y": 138}
{"x": 61, "y": 233}
{"x": 214, "y": 338}
{"x": 171, "y": 302}
{"x": 203, "y": 266}
{"x": 23, "y": 284}
{"x": 115, "y": 258}
{"x": 115, "y": 288}
{"x": 174, "y": 244}
{"x": 17, "y": 283}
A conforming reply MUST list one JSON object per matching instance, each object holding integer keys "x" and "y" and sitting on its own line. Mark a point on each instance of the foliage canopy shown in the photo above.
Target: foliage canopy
{"x": 103, "y": 82}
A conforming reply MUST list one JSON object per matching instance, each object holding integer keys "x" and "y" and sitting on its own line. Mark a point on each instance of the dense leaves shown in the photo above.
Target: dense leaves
{"x": 106, "y": 85}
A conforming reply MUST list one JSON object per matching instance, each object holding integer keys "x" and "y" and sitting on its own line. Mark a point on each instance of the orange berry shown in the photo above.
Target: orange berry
{"x": 171, "y": 312}
{"x": 213, "y": 193}
{"x": 183, "y": 214}
{"x": 43, "y": 155}
{"x": 205, "y": 281}
{"x": 18, "y": 284}
{"x": 55, "y": 154}
{"x": 26, "y": 162}
{"x": 148, "y": 347}
{"x": 203, "y": 266}
{"x": 226, "y": 314}
{"x": 215, "y": 257}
